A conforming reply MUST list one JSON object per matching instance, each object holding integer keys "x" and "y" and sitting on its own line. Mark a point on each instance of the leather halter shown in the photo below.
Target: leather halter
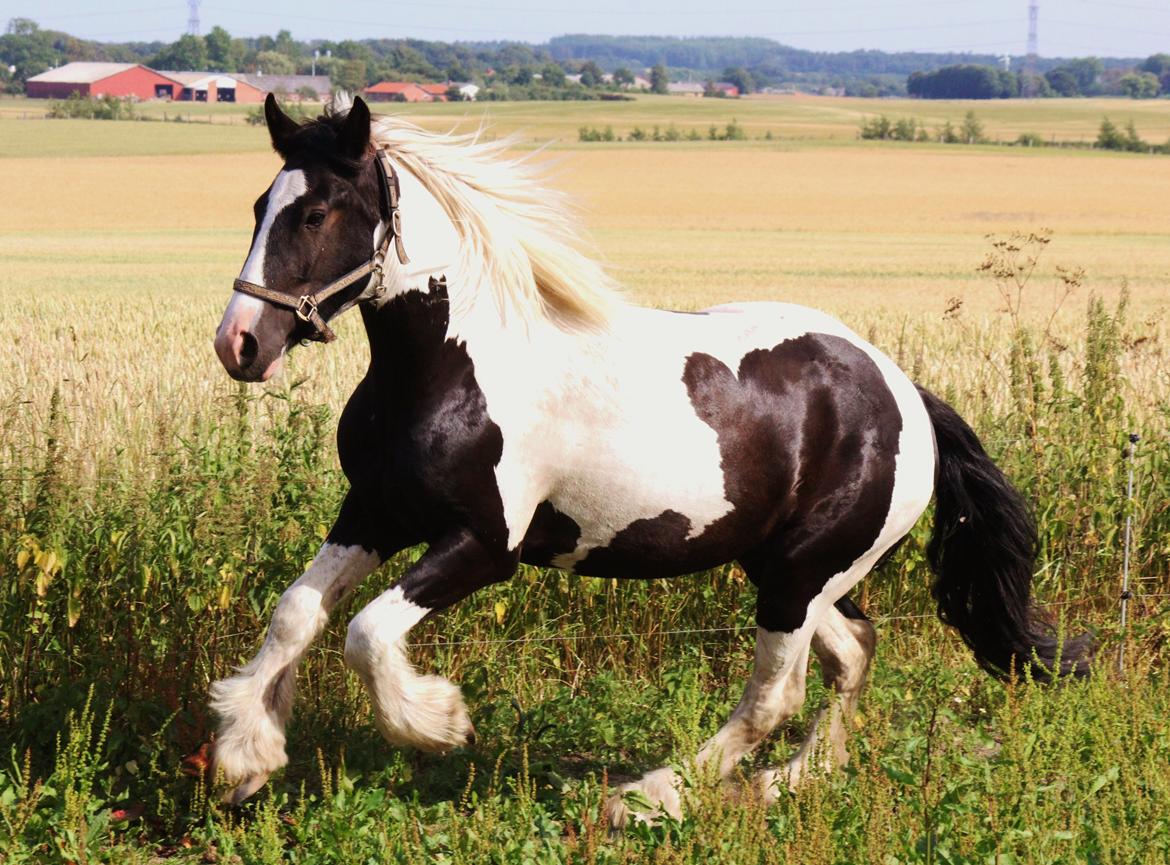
{"x": 306, "y": 305}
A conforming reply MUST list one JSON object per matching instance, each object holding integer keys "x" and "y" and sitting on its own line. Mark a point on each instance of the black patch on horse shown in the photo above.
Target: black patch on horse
{"x": 550, "y": 534}
{"x": 415, "y": 440}
{"x": 808, "y": 434}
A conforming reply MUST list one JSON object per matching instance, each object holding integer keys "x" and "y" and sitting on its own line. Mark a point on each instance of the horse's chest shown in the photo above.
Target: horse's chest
{"x": 428, "y": 458}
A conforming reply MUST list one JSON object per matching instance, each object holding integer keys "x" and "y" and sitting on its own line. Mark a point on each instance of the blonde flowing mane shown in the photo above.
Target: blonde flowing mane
{"x": 521, "y": 239}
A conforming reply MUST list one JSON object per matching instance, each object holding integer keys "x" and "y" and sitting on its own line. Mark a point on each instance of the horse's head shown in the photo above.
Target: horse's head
{"x": 324, "y": 216}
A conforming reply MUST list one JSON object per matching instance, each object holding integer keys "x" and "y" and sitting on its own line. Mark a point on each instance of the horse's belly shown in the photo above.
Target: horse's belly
{"x": 660, "y": 546}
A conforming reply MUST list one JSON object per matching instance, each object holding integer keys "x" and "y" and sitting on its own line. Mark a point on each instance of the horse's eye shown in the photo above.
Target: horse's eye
{"x": 314, "y": 219}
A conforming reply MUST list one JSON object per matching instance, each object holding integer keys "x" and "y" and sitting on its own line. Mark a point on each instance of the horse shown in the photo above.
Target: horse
{"x": 517, "y": 408}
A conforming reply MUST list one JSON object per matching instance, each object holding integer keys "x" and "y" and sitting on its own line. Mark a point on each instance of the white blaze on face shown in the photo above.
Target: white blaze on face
{"x": 286, "y": 189}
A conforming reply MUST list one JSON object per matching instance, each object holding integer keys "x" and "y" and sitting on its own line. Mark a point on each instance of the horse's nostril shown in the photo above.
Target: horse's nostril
{"x": 249, "y": 348}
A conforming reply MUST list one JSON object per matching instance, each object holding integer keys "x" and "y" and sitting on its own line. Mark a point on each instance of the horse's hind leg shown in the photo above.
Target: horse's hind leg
{"x": 792, "y": 607}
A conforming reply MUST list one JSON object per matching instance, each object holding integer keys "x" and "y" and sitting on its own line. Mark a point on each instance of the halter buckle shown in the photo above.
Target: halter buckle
{"x": 306, "y": 308}
{"x": 377, "y": 277}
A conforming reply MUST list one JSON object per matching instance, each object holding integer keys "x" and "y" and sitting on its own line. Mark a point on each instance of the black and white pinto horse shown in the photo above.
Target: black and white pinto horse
{"x": 519, "y": 411}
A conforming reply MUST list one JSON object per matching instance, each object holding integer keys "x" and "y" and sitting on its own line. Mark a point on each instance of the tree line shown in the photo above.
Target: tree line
{"x": 517, "y": 70}
{"x": 1086, "y": 76}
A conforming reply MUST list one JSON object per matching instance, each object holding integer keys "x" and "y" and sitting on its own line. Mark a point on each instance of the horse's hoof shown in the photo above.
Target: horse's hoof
{"x": 245, "y": 789}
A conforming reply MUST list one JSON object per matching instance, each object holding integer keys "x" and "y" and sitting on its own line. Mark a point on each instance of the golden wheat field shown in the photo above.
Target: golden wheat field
{"x": 153, "y": 510}
{"x": 116, "y": 267}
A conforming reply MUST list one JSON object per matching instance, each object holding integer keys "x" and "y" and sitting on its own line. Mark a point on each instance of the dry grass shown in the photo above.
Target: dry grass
{"x": 123, "y": 265}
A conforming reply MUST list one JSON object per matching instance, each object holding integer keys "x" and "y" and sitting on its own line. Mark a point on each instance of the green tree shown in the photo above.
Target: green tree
{"x": 658, "y": 78}
{"x": 188, "y": 53}
{"x": 591, "y": 74}
{"x": 219, "y": 50}
{"x": 1140, "y": 85}
{"x": 1159, "y": 65}
{"x": 27, "y": 48}
{"x": 1033, "y": 85}
{"x": 1109, "y": 137}
{"x": 1086, "y": 70}
{"x": 740, "y": 77}
{"x": 623, "y": 77}
{"x": 350, "y": 75}
{"x": 275, "y": 63}
{"x": 1062, "y": 82}
{"x": 972, "y": 130}
{"x": 1133, "y": 141}
{"x": 553, "y": 75}
{"x": 286, "y": 45}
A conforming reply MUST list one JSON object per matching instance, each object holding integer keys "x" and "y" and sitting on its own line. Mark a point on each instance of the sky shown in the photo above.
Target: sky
{"x": 1118, "y": 28}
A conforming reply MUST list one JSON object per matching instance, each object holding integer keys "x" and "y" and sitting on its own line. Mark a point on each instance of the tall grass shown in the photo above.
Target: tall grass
{"x": 151, "y": 514}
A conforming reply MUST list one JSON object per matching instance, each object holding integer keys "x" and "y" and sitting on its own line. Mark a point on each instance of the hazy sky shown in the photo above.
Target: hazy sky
{"x": 1067, "y": 27}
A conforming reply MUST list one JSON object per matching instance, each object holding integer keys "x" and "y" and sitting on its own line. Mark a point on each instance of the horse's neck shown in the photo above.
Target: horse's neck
{"x": 410, "y": 327}
{"x": 406, "y": 336}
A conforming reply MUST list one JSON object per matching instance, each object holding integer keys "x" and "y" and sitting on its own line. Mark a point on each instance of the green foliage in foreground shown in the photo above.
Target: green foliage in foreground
{"x": 947, "y": 767}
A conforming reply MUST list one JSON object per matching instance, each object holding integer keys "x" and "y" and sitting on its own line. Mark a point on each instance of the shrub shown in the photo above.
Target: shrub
{"x": 1109, "y": 137}
{"x": 972, "y": 129}
{"x": 88, "y": 108}
{"x": 734, "y": 132}
{"x": 876, "y": 128}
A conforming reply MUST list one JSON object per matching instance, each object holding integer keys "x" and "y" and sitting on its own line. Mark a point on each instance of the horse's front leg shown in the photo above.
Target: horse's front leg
{"x": 254, "y": 705}
{"x": 427, "y": 712}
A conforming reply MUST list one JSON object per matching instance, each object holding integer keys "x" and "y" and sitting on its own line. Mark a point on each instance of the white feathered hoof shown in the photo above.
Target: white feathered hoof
{"x": 245, "y": 789}
{"x": 659, "y": 788}
{"x": 250, "y": 743}
{"x": 430, "y": 716}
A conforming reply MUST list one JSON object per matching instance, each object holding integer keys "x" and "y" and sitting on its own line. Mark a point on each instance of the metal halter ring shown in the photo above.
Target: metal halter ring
{"x": 306, "y": 308}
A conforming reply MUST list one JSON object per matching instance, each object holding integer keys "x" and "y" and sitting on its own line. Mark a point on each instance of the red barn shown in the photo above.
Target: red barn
{"x": 102, "y": 79}
{"x": 396, "y": 91}
{"x": 213, "y": 87}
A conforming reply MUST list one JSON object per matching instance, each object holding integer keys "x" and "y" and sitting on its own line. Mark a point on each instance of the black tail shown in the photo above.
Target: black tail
{"x": 982, "y": 552}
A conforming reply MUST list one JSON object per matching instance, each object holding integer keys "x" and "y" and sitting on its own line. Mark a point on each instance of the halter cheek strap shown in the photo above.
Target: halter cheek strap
{"x": 306, "y": 305}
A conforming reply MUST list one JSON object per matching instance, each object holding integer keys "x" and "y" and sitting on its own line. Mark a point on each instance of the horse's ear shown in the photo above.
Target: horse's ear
{"x": 280, "y": 125}
{"x": 354, "y": 137}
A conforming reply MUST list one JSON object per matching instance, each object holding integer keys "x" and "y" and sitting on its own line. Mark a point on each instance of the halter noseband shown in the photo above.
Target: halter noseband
{"x": 306, "y": 305}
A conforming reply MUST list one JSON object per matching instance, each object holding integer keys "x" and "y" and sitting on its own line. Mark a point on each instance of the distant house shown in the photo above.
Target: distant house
{"x": 397, "y": 91}
{"x": 641, "y": 83}
{"x": 438, "y": 91}
{"x": 214, "y": 87}
{"x": 291, "y": 87}
{"x": 132, "y": 80}
{"x": 725, "y": 88}
{"x": 684, "y": 88}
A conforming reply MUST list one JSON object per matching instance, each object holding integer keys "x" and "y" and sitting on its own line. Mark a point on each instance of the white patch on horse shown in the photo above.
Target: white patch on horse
{"x": 427, "y": 712}
{"x": 430, "y": 240}
{"x": 286, "y": 188}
